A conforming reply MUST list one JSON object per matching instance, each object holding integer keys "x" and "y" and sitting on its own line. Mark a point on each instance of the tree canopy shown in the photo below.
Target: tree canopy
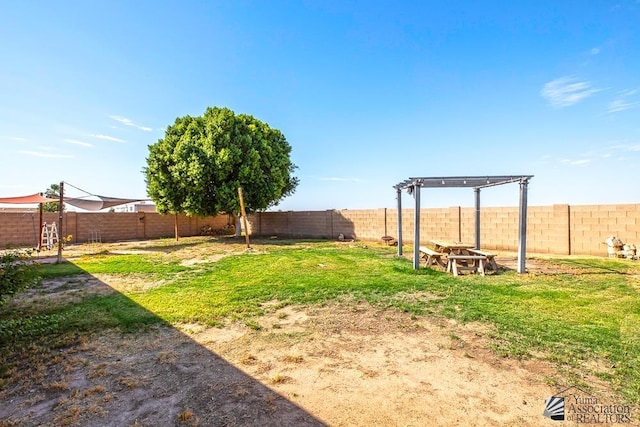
{"x": 52, "y": 192}
{"x": 200, "y": 163}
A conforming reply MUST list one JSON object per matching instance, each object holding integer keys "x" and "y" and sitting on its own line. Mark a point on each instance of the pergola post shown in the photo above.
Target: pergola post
{"x": 522, "y": 239}
{"x": 399, "y": 197}
{"x": 477, "y": 216}
{"x": 416, "y": 227}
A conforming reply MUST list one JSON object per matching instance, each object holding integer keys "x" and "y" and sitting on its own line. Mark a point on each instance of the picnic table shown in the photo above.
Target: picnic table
{"x": 451, "y": 247}
{"x": 460, "y": 256}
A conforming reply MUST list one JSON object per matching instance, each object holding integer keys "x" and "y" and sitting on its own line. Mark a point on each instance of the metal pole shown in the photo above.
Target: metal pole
{"x": 60, "y": 210}
{"x": 522, "y": 240}
{"x": 399, "y": 198}
{"x": 416, "y": 228}
{"x": 477, "y": 219}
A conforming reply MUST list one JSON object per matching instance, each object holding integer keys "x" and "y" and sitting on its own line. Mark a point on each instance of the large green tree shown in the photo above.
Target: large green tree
{"x": 201, "y": 161}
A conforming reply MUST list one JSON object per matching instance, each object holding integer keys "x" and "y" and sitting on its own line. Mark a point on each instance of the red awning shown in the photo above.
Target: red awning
{"x": 24, "y": 200}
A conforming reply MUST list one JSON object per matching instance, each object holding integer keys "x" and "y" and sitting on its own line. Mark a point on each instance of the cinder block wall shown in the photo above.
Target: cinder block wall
{"x": 19, "y": 228}
{"x": 590, "y": 225}
{"x": 559, "y": 229}
{"x": 22, "y": 229}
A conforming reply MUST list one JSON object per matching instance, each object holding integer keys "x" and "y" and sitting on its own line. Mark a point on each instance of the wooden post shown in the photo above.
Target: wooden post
{"x": 244, "y": 218}
{"x": 60, "y": 232}
{"x": 39, "y": 236}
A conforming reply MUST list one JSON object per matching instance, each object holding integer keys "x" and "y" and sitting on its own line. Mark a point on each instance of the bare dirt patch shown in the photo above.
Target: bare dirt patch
{"x": 341, "y": 364}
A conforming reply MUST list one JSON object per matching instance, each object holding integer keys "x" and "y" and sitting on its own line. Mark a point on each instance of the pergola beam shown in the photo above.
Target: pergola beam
{"x": 461, "y": 181}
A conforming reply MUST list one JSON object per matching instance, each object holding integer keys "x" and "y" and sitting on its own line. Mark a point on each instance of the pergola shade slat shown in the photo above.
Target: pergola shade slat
{"x": 461, "y": 181}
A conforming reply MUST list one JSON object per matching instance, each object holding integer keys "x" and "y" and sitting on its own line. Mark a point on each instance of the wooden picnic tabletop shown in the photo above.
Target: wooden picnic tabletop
{"x": 449, "y": 244}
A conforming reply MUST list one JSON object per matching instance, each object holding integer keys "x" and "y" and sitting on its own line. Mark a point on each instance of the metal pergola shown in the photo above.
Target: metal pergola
{"x": 413, "y": 186}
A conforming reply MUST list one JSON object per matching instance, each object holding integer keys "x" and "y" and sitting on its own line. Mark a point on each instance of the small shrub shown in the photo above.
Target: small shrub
{"x": 17, "y": 272}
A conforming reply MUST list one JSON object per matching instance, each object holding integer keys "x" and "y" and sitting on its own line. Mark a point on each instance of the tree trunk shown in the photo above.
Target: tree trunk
{"x": 238, "y": 225}
{"x": 175, "y": 226}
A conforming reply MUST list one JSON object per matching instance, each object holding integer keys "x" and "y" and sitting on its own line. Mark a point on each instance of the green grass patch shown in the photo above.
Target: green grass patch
{"x": 152, "y": 264}
{"x": 237, "y": 286}
{"x": 130, "y": 264}
{"x": 94, "y": 313}
{"x": 588, "y": 312}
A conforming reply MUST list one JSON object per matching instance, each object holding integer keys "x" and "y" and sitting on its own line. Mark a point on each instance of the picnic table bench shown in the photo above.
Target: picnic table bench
{"x": 432, "y": 257}
{"x": 491, "y": 258}
{"x": 473, "y": 263}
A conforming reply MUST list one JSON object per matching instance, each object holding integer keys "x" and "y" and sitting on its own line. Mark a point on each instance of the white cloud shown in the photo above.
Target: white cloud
{"x": 624, "y": 148}
{"x": 47, "y": 155}
{"x": 76, "y": 142}
{"x": 566, "y": 91}
{"x": 581, "y": 162}
{"x": 128, "y": 122}
{"x": 594, "y": 51}
{"x": 15, "y": 138}
{"x": 107, "y": 138}
{"x": 620, "y": 103}
{"x": 627, "y": 92}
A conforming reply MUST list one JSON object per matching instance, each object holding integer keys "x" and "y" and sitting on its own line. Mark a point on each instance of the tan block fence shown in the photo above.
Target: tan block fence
{"x": 20, "y": 229}
{"x": 558, "y": 229}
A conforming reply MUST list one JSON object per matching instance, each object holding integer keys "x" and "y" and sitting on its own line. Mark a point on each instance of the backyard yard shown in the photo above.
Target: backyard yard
{"x": 205, "y": 332}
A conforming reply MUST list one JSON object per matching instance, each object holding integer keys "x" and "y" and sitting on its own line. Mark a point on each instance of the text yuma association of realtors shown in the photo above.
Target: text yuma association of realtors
{"x": 587, "y": 410}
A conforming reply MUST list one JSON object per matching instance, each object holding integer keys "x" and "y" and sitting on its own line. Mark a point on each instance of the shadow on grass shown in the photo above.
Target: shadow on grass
{"x": 76, "y": 352}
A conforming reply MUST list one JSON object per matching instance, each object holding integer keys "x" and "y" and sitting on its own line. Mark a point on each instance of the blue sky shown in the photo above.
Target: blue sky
{"x": 368, "y": 93}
